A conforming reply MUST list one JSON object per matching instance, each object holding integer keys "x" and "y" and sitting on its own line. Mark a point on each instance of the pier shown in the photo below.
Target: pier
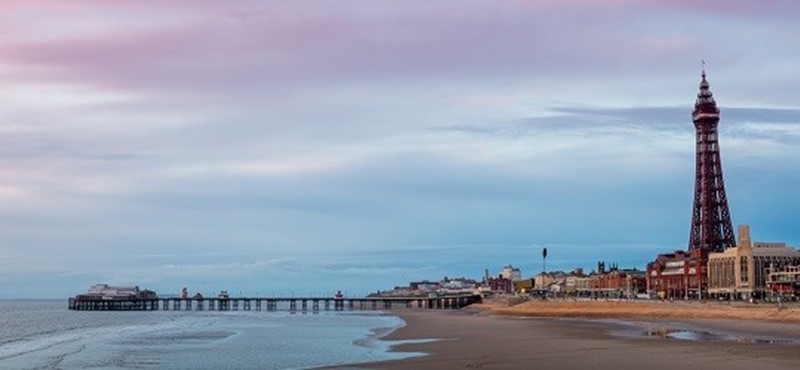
{"x": 291, "y": 304}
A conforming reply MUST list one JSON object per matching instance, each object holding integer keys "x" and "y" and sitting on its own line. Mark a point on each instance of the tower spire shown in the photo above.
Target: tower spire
{"x": 705, "y": 106}
{"x": 703, "y": 67}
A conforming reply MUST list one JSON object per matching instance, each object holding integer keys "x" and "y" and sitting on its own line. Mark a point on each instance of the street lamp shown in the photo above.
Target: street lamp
{"x": 544, "y": 260}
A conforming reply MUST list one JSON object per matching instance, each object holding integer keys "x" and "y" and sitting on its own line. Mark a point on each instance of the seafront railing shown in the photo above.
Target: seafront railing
{"x": 291, "y": 304}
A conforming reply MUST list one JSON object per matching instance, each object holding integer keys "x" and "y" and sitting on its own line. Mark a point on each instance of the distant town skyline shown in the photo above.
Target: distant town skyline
{"x": 273, "y": 148}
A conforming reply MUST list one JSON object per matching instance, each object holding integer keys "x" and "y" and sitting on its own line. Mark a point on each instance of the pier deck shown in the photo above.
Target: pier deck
{"x": 291, "y": 304}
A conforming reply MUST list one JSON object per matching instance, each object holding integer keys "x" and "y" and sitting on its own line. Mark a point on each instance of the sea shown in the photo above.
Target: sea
{"x": 44, "y": 334}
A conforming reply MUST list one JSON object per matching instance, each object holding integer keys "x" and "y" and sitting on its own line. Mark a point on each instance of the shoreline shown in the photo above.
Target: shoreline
{"x": 491, "y": 337}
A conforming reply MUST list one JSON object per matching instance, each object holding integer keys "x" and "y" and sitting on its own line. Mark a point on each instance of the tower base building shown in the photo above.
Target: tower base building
{"x": 677, "y": 275}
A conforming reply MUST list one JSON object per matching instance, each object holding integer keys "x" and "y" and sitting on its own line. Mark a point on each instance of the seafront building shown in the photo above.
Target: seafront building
{"x": 616, "y": 282}
{"x": 499, "y": 285}
{"x": 601, "y": 283}
{"x": 425, "y": 288}
{"x": 577, "y": 284}
{"x": 674, "y": 275}
{"x": 742, "y": 272}
{"x": 462, "y": 285}
{"x": 511, "y": 273}
{"x": 786, "y": 282}
{"x": 549, "y": 281}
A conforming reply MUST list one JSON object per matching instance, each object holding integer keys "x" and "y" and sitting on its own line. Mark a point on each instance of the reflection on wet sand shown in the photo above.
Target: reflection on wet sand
{"x": 669, "y": 332}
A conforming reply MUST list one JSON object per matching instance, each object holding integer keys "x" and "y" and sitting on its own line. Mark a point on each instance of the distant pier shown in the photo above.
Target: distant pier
{"x": 291, "y": 304}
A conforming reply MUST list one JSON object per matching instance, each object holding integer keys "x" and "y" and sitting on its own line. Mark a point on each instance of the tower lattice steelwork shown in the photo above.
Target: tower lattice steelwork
{"x": 711, "y": 220}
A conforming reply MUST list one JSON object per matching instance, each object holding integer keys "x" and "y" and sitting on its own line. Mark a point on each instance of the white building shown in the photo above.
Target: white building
{"x": 511, "y": 273}
{"x": 457, "y": 286}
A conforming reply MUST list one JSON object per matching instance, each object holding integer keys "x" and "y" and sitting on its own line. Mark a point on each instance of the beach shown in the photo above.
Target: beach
{"x": 496, "y": 337}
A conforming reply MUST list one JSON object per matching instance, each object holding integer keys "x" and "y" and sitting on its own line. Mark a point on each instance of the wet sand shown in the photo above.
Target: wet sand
{"x": 789, "y": 313}
{"x": 474, "y": 338}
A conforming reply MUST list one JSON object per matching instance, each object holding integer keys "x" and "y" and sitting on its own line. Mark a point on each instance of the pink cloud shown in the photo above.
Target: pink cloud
{"x": 208, "y": 46}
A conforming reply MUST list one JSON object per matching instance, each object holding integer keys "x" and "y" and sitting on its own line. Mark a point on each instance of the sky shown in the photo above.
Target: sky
{"x": 305, "y": 147}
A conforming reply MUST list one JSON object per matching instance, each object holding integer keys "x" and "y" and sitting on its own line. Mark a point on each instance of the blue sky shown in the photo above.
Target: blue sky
{"x": 307, "y": 146}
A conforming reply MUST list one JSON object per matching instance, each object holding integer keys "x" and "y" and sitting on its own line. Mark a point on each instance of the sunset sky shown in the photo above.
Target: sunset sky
{"x": 302, "y": 146}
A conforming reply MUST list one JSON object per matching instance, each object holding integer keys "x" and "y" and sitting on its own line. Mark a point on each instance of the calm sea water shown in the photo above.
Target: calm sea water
{"x": 45, "y": 335}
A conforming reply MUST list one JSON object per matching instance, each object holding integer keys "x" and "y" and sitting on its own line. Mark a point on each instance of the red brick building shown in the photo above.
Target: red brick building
{"x": 500, "y": 285}
{"x": 678, "y": 275}
{"x": 617, "y": 283}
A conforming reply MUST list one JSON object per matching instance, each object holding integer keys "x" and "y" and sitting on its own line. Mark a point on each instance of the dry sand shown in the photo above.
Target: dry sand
{"x": 494, "y": 336}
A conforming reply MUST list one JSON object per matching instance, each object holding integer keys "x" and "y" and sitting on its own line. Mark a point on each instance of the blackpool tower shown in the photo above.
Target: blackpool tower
{"x": 711, "y": 220}
{"x": 684, "y": 274}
